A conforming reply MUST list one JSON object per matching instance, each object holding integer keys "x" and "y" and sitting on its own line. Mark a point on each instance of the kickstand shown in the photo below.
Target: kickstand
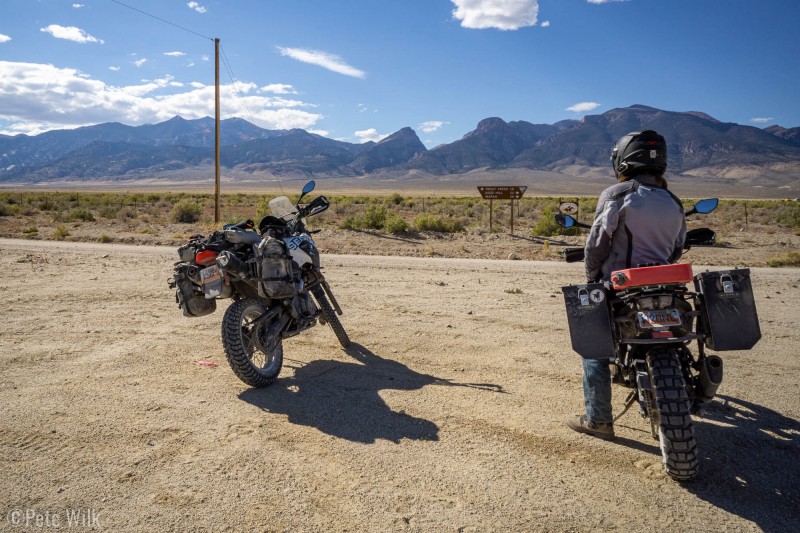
{"x": 628, "y": 402}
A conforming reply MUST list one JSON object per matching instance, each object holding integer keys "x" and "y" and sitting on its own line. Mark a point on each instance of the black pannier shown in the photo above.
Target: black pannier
{"x": 729, "y": 319}
{"x": 190, "y": 297}
{"x": 275, "y": 270}
{"x": 590, "y": 320}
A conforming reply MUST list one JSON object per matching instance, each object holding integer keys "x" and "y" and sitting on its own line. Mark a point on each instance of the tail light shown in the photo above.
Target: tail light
{"x": 205, "y": 257}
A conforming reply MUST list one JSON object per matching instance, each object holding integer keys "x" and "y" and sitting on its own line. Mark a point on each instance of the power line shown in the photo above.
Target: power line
{"x": 163, "y": 20}
{"x": 224, "y": 56}
{"x": 235, "y": 84}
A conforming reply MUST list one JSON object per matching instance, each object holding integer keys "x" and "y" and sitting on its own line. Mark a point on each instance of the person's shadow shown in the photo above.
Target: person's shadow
{"x": 341, "y": 398}
{"x": 749, "y": 463}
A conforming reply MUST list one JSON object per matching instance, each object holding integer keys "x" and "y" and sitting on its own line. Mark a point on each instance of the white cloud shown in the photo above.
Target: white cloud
{"x": 604, "y": 1}
{"x": 371, "y": 134}
{"x": 545, "y": 24}
{"x": 197, "y": 7}
{"x": 431, "y": 125}
{"x": 140, "y": 62}
{"x": 204, "y": 57}
{"x": 331, "y": 62}
{"x": 323, "y": 133}
{"x": 115, "y": 69}
{"x": 190, "y": 64}
{"x": 762, "y": 120}
{"x": 78, "y": 6}
{"x": 498, "y": 14}
{"x": 70, "y": 33}
{"x": 174, "y": 54}
{"x": 38, "y": 97}
{"x": 4, "y": 38}
{"x": 278, "y": 88}
{"x": 583, "y": 107}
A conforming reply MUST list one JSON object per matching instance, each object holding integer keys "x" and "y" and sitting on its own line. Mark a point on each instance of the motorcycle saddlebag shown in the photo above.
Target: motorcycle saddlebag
{"x": 187, "y": 251}
{"x": 590, "y": 320}
{"x": 729, "y": 318}
{"x": 190, "y": 297}
{"x": 275, "y": 271}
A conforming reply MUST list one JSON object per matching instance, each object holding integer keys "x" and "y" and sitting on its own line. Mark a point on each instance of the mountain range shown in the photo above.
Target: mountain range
{"x": 698, "y": 145}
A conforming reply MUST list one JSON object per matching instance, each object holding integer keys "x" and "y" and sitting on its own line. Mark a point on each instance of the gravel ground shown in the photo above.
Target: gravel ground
{"x": 446, "y": 415}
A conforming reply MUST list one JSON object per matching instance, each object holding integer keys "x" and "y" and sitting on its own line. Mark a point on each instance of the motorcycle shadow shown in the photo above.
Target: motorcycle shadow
{"x": 342, "y": 398}
{"x": 749, "y": 463}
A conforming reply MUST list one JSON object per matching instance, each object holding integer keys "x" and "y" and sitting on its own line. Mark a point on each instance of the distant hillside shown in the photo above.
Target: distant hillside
{"x": 790, "y": 134}
{"x": 494, "y": 143}
{"x": 699, "y": 146}
{"x": 694, "y": 141}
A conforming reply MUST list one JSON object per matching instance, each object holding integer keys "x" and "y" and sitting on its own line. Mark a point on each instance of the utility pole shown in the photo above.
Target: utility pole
{"x": 216, "y": 130}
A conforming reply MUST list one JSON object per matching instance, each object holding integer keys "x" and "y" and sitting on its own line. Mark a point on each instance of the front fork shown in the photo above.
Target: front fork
{"x": 315, "y": 277}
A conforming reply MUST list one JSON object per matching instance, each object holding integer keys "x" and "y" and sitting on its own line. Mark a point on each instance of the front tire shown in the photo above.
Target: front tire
{"x": 671, "y": 414}
{"x": 330, "y": 316}
{"x": 252, "y": 362}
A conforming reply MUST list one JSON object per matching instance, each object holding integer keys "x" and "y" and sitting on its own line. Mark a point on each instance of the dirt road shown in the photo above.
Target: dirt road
{"x": 446, "y": 416}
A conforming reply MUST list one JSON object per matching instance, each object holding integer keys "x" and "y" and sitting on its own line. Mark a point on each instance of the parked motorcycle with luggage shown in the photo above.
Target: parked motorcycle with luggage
{"x": 645, "y": 319}
{"x": 271, "y": 273}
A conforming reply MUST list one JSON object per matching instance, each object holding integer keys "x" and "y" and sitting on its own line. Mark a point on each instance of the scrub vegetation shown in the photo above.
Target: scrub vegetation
{"x": 170, "y": 218}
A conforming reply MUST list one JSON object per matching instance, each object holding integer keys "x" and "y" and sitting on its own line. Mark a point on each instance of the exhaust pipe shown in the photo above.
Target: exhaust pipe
{"x": 710, "y": 378}
{"x": 232, "y": 265}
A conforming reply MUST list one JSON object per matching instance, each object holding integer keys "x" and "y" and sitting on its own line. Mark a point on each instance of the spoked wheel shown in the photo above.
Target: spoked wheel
{"x": 254, "y": 359}
{"x": 329, "y": 315}
{"x": 670, "y": 414}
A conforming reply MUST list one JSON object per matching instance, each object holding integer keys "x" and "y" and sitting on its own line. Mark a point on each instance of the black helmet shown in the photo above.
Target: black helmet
{"x": 639, "y": 152}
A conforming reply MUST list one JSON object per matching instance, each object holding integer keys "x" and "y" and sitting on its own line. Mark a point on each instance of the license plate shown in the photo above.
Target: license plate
{"x": 212, "y": 273}
{"x": 659, "y": 318}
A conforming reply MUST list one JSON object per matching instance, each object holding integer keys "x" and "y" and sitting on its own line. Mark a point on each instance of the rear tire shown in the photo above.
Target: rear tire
{"x": 330, "y": 316}
{"x": 671, "y": 412}
{"x": 250, "y": 360}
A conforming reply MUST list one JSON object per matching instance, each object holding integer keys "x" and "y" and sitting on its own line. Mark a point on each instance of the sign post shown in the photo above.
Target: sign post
{"x": 502, "y": 192}
{"x": 567, "y": 207}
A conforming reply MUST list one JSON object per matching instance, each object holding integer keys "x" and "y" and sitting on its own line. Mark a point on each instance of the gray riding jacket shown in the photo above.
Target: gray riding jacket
{"x": 636, "y": 223}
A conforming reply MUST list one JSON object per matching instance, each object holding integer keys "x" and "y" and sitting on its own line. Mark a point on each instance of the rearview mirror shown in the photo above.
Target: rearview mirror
{"x": 703, "y": 207}
{"x": 706, "y": 206}
{"x": 565, "y": 221}
{"x": 307, "y": 188}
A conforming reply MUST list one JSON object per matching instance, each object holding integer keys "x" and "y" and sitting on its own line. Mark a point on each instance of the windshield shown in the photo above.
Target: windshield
{"x": 283, "y": 208}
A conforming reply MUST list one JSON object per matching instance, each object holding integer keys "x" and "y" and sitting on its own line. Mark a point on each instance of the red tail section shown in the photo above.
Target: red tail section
{"x": 655, "y": 275}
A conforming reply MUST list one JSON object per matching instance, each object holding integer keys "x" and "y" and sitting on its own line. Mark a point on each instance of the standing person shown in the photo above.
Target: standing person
{"x": 637, "y": 222}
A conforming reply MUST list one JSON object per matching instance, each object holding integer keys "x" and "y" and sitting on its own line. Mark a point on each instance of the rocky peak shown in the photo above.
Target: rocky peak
{"x": 405, "y": 134}
{"x": 490, "y": 124}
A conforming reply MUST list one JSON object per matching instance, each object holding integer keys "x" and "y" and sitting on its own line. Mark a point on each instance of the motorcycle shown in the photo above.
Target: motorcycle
{"x": 647, "y": 318}
{"x": 271, "y": 273}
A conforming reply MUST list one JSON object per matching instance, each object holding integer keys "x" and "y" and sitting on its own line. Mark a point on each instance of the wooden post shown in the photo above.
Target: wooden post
{"x": 216, "y": 131}
{"x": 490, "y": 216}
{"x": 745, "y": 215}
{"x": 512, "y": 216}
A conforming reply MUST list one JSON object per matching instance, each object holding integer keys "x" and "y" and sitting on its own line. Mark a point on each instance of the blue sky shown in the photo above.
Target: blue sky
{"x": 359, "y": 70}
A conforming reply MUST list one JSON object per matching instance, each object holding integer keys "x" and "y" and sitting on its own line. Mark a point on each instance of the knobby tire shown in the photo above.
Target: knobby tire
{"x": 241, "y": 346}
{"x": 672, "y": 412}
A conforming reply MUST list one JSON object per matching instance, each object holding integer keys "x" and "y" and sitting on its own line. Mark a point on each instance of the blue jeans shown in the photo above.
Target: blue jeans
{"x": 597, "y": 390}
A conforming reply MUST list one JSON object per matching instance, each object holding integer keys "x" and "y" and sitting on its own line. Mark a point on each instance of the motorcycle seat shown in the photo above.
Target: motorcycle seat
{"x": 652, "y": 275}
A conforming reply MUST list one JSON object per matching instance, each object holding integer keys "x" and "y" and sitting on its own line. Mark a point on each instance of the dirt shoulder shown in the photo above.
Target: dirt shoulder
{"x": 447, "y": 415}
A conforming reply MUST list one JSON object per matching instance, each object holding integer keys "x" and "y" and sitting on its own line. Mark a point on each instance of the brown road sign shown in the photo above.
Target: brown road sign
{"x": 502, "y": 192}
